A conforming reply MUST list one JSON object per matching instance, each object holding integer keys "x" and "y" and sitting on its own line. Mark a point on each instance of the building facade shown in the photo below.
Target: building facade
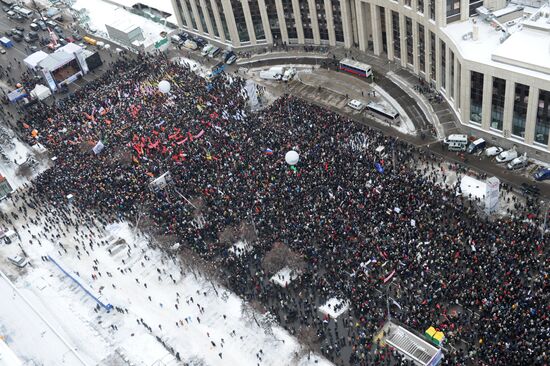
{"x": 490, "y": 59}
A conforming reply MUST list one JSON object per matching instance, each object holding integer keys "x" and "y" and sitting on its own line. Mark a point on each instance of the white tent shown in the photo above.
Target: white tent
{"x": 34, "y": 59}
{"x": 41, "y": 92}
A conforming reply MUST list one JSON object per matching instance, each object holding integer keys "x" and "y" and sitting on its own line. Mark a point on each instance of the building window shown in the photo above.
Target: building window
{"x": 420, "y": 6}
{"x": 273, "y": 19}
{"x": 521, "y": 99}
{"x": 179, "y": 9}
{"x": 224, "y": 21}
{"x": 453, "y": 10}
{"x": 306, "y": 20}
{"x": 240, "y": 20}
{"x": 432, "y": 56}
{"x": 431, "y": 9}
{"x": 396, "y": 34}
{"x": 212, "y": 19}
{"x": 542, "y": 126}
{"x": 451, "y": 91}
{"x": 476, "y": 96}
{"x": 458, "y": 84}
{"x": 443, "y": 65}
{"x": 256, "y": 19}
{"x": 497, "y": 103}
{"x": 337, "y": 16}
{"x": 202, "y": 17}
{"x": 474, "y": 4}
{"x": 191, "y": 14}
{"x": 421, "y": 48}
{"x": 408, "y": 3}
{"x": 322, "y": 19}
{"x": 288, "y": 11}
{"x": 383, "y": 27}
{"x": 409, "y": 31}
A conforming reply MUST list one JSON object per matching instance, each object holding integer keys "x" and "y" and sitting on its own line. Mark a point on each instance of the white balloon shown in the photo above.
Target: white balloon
{"x": 292, "y": 157}
{"x": 164, "y": 87}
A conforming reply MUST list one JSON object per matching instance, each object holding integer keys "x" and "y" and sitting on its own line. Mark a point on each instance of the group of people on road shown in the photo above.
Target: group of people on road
{"x": 369, "y": 226}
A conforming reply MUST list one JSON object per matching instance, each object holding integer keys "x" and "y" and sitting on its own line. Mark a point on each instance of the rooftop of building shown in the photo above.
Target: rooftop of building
{"x": 515, "y": 38}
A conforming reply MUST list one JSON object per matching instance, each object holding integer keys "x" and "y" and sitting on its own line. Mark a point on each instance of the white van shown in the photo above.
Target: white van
{"x": 507, "y": 156}
{"x": 18, "y": 261}
{"x": 270, "y": 75}
{"x": 206, "y": 50}
{"x": 289, "y": 74}
{"x": 456, "y": 142}
{"x": 356, "y": 104}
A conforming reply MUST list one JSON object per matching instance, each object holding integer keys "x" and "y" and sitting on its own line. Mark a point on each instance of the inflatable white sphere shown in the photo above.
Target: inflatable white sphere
{"x": 292, "y": 157}
{"x": 164, "y": 87}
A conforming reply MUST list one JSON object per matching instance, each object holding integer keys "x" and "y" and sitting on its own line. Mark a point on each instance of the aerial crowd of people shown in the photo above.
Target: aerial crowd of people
{"x": 366, "y": 224}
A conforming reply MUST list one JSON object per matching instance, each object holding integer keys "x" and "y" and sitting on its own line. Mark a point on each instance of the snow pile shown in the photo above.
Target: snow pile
{"x": 334, "y": 307}
{"x": 284, "y": 277}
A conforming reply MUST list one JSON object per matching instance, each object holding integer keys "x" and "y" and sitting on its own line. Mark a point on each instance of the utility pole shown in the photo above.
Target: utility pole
{"x": 543, "y": 231}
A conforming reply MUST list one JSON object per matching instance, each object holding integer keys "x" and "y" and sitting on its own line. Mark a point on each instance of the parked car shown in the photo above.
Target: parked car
{"x": 542, "y": 174}
{"x": 231, "y": 60}
{"x": 530, "y": 189}
{"x": 33, "y": 48}
{"x": 69, "y": 39}
{"x": 34, "y": 27}
{"x": 6, "y": 9}
{"x": 17, "y": 37}
{"x": 2, "y": 50}
{"x": 20, "y": 28}
{"x": 77, "y": 37}
{"x": 518, "y": 163}
{"x": 199, "y": 41}
{"x": 8, "y": 33}
{"x": 493, "y": 151}
{"x": 42, "y": 25}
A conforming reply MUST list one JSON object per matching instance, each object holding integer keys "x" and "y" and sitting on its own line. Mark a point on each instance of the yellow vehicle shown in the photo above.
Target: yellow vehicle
{"x": 89, "y": 40}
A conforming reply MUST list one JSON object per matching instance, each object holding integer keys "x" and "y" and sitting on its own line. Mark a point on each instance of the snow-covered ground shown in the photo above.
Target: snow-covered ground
{"x": 51, "y": 320}
{"x": 284, "y": 277}
{"x": 406, "y": 126}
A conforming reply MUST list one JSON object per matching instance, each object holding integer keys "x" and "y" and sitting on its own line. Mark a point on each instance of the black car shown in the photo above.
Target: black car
{"x": 8, "y": 33}
{"x": 20, "y": 28}
{"x": 530, "y": 189}
{"x": 6, "y": 9}
{"x": 199, "y": 41}
{"x": 17, "y": 38}
{"x": 42, "y": 25}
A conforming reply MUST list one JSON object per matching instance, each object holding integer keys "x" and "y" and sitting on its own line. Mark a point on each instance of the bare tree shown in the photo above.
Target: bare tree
{"x": 228, "y": 235}
{"x": 251, "y": 311}
{"x": 24, "y": 170}
{"x": 308, "y": 338}
{"x": 281, "y": 256}
{"x": 190, "y": 260}
{"x": 247, "y": 232}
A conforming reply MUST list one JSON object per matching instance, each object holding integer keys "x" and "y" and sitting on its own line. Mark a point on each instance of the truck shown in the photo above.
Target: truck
{"x": 270, "y": 75}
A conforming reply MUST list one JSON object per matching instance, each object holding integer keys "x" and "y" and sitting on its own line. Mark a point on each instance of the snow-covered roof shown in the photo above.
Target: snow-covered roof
{"x": 34, "y": 59}
{"x": 56, "y": 60}
{"x": 69, "y": 48}
{"x": 526, "y": 50}
{"x": 164, "y": 6}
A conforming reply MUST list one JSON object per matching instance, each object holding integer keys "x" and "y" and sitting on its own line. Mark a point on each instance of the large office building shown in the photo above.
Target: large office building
{"x": 489, "y": 58}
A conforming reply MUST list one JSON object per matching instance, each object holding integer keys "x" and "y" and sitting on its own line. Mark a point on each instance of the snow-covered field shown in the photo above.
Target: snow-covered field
{"x": 161, "y": 308}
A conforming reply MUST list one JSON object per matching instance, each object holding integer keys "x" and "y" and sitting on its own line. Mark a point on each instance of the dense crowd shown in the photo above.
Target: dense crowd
{"x": 358, "y": 227}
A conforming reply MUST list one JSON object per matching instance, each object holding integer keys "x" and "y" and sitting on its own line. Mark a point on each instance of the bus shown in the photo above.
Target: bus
{"x": 382, "y": 111}
{"x": 355, "y": 67}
